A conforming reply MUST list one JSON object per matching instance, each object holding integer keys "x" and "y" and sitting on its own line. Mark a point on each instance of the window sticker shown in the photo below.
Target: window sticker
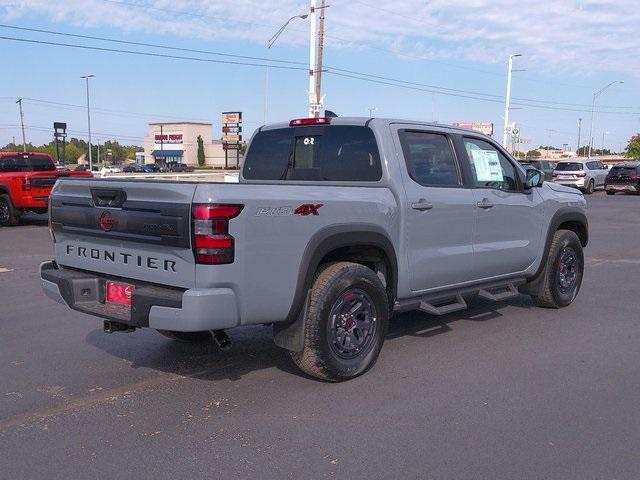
{"x": 487, "y": 165}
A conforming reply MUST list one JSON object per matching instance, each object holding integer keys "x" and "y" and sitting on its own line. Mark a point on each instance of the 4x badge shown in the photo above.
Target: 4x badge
{"x": 305, "y": 209}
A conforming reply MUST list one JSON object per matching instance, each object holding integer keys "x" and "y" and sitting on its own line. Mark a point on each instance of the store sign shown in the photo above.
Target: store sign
{"x": 231, "y": 146}
{"x": 171, "y": 137}
{"x": 482, "y": 127}
{"x": 231, "y": 129}
{"x": 231, "y": 138}
{"x": 231, "y": 117}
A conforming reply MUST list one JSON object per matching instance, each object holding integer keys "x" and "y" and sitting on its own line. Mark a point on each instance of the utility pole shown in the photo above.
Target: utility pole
{"x": 87, "y": 77}
{"x": 579, "y": 132}
{"x": 319, "y": 62}
{"x": 24, "y": 139}
{"x": 506, "y": 132}
{"x": 313, "y": 100}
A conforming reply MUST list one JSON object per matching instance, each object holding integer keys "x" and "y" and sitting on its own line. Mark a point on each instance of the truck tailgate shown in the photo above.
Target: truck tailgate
{"x": 130, "y": 229}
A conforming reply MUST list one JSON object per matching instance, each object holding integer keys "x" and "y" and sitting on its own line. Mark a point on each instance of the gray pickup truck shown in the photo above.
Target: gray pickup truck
{"x": 335, "y": 225}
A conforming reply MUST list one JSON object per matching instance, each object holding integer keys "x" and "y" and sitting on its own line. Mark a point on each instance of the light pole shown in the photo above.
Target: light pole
{"x": 579, "y": 132}
{"x": 371, "y": 110}
{"x": 270, "y": 43}
{"x": 593, "y": 107}
{"x": 87, "y": 77}
{"x": 24, "y": 138}
{"x": 603, "y": 135}
{"x": 505, "y": 131}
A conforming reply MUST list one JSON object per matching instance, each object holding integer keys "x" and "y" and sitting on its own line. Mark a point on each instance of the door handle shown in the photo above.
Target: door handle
{"x": 484, "y": 204}
{"x": 422, "y": 205}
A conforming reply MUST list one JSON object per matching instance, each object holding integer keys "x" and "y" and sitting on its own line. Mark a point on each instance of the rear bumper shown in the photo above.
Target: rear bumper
{"x": 163, "y": 308}
{"x": 571, "y": 183}
{"x": 622, "y": 187}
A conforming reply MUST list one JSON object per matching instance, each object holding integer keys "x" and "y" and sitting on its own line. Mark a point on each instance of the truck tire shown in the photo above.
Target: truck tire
{"x": 346, "y": 323}
{"x": 563, "y": 272}
{"x": 8, "y": 214}
{"x": 186, "y": 337}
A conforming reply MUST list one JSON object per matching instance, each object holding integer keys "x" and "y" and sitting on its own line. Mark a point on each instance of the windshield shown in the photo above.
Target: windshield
{"x": 569, "y": 167}
{"x": 27, "y": 163}
{"x": 332, "y": 153}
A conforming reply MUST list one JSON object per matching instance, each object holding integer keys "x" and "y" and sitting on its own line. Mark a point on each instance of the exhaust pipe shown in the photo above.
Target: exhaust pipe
{"x": 112, "y": 327}
{"x": 222, "y": 340}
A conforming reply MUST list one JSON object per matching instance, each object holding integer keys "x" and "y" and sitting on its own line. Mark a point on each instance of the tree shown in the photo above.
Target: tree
{"x": 533, "y": 154}
{"x": 633, "y": 149}
{"x": 201, "y": 158}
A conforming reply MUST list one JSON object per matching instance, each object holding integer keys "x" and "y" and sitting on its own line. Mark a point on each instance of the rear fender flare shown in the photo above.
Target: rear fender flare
{"x": 289, "y": 334}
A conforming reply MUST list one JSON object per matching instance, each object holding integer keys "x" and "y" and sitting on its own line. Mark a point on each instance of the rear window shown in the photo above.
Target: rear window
{"x": 331, "y": 153}
{"x": 569, "y": 167}
{"x": 27, "y": 163}
{"x": 623, "y": 170}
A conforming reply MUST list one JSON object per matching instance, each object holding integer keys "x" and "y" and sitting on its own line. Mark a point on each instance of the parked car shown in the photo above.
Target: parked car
{"x": 323, "y": 243}
{"x": 110, "y": 169}
{"x": 545, "y": 166}
{"x": 81, "y": 168}
{"x": 154, "y": 168}
{"x": 179, "y": 167}
{"x": 624, "y": 177}
{"x": 26, "y": 179}
{"x": 133, "y": 168}
{"x": 584, "y": 174}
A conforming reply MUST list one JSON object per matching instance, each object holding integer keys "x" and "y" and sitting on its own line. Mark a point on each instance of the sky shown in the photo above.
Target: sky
{"x": 440, "y": 60}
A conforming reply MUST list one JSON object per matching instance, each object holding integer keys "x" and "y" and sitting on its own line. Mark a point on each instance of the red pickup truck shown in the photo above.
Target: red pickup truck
{"x": 26, "y": 179}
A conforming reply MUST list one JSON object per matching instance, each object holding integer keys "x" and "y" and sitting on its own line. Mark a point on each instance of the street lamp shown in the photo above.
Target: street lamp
{"x": 593, "y": 106}
{"x": 371, "y": 110}
{"x": 505, "y": 132}
{"x": 270, "y": 44}
{"x": 87, "y": 77}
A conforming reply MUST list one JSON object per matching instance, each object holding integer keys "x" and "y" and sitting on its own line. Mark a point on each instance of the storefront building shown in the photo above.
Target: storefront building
{"x": 178, "y": 142}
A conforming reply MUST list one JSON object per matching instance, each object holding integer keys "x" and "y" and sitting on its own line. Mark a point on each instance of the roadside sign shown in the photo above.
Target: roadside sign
{"x": 231, "y": 138}
{"x": 231, "y": 146}
{"x": 231, "y": 117}
{"x": 231, "y": 129}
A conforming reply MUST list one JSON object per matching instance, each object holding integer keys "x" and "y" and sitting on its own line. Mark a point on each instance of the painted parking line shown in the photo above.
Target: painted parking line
{"x": 5, "y": 270}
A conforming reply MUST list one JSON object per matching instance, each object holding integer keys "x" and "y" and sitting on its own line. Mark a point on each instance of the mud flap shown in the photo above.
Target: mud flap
{"x": 290, "y": 335}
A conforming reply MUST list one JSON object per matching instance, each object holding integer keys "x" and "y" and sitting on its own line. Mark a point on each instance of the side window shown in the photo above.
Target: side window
{"x": 491, "y": 169}
{"x": 430, "y": 159}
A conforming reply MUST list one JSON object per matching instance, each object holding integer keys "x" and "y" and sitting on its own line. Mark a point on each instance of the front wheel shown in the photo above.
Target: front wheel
{"x": 345, "y": 323}
{"x": 610, "y": 192}
{"x": 562, "y": 275}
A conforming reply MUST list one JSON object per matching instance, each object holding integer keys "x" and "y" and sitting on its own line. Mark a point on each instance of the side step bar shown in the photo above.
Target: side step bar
{"x": 442, "y": 303}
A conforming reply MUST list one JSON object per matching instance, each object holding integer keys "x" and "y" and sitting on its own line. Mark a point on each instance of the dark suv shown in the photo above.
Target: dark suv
{"x": 624, "y": 177}
{"x": 545, "y": 166}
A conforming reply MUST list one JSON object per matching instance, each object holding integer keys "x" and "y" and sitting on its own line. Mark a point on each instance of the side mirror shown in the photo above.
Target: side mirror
{"x": 535, "y": 178}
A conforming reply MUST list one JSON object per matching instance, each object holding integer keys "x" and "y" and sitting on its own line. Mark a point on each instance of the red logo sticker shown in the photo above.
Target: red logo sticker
{"x": 308, "y": 209}
{"x": 106, "y": 222}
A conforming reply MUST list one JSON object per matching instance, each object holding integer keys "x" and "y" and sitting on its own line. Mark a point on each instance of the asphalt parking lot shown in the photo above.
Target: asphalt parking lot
{"x": 501, "y": 391}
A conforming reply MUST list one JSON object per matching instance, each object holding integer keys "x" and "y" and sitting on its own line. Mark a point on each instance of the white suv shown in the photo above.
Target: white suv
{"x": 586, "y": 174}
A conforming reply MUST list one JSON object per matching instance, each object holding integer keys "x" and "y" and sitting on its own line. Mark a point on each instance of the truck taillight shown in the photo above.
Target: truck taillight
{"x": 26, "y": 183}
{"x": 212, "y": 244}
{"x": 581, "y": 174}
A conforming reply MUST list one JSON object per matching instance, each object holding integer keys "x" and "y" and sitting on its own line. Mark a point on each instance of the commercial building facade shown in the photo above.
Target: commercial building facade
{"x": 178, "y": 142}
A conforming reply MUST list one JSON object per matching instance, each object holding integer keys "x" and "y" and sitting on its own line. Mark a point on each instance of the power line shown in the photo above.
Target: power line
{"x": 153, "y": 45}
{"x": 149, "y": 54}
{"x": 335, "y": 71}
{"x": 470, "y": 97}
